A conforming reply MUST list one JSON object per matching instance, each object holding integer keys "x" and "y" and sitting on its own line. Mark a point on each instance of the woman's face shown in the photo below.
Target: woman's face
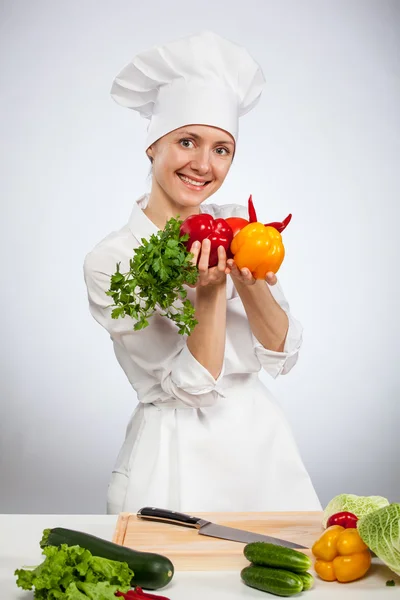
{"x": 191, "y": 163}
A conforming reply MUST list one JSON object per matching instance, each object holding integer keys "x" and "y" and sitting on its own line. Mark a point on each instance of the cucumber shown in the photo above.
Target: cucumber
{"x": 274, "y": 581}
{"x": 307, "y": 579}
{"x": 271, "y": 555}
{"x": 151, "y": 571}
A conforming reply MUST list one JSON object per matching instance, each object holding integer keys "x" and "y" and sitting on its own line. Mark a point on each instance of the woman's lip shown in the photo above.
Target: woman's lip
{"x": 196, "y": 188}
{"x": 194, "y": 178}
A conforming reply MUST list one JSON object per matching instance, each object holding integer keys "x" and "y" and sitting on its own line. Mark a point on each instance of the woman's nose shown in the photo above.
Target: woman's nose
{"x": 201, "y": 163}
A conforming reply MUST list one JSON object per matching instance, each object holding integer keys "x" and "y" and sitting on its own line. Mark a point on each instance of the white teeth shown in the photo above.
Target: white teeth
{"x": 197, "y": 183}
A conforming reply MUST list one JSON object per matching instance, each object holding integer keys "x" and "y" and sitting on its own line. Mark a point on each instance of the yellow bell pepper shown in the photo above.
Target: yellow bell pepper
{"x": 341, "y": 555}
{"x": 259, "y": 248}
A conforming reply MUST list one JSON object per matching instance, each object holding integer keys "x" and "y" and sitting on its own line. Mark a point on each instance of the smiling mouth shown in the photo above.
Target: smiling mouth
{"x": 192, "y": 183}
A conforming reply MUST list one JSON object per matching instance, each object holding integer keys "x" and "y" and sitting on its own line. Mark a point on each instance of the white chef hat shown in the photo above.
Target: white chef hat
{"x": 202, "y": 79}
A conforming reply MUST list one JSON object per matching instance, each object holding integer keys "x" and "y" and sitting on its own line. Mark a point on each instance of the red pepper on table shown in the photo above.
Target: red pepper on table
{"x": 204, "y": 226}
{"x": 139, "y": 594}
{"x": 345, "y": 519}
{"x": 127, "y": 595}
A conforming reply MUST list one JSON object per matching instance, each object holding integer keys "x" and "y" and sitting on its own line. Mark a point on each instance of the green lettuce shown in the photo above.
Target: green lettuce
{"x": 358, "y": 505}
{"x": 95, "y": 591}
{"x": 73, "y": 573}
{"x": 380, "y": 530}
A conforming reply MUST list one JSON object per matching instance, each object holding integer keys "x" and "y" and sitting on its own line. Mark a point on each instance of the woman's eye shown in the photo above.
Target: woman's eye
{"x": 186, "y": 143}
{"x": 222, "y": 151}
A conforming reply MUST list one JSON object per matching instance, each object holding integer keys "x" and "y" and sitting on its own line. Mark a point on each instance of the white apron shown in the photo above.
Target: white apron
{"x": 238, "y": 455}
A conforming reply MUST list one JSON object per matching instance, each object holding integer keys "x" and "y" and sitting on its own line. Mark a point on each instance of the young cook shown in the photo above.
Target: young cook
{"x": 207, "y": 435}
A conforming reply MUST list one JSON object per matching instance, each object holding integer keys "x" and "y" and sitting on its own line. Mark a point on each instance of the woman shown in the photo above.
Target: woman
{"x": 206, "y": 435}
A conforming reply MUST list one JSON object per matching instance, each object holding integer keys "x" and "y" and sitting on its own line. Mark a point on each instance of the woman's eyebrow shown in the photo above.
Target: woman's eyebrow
{"x": 226, "y": 143}
{"x": 198, "y": 137}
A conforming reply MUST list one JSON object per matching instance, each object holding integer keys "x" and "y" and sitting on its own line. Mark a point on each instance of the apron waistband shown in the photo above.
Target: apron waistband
{"x": 235, "y": 380}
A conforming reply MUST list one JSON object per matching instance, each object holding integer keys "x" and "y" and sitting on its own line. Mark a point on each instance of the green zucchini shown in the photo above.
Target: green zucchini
{"x": 151, "y": 571}
{"x": 274, "y": 581}
{"x": 307, "y": 579}
{"x": 271, "y": 555}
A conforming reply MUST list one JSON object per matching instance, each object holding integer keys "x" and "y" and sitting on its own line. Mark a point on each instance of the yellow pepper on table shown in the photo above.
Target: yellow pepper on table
{"x": 341, "y": 555}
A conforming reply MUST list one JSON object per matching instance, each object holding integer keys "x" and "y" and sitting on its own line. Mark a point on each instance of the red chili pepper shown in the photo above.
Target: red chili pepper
{"x": 252, "y": 210}
{"x": 280, "y": 226}
{"x": 204, "y": 226}
{"x": 345, "y": 519}
{"x": 139, "y": 594}
{"x": 131, "y": 595}
{"x": 150, "y": 596}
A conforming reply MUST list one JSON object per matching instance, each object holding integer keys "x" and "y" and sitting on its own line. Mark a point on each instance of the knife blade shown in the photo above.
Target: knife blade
{"x": 211, "y": 529}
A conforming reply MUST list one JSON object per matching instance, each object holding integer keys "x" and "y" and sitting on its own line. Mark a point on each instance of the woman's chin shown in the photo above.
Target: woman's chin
{"x": 189, "y": 198}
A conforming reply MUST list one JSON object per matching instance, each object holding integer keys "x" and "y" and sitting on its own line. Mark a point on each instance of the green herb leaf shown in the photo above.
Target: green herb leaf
{"x": 391, "y": 583}
{"x": 159, "y": 269}
{"x": 118, "y": 312}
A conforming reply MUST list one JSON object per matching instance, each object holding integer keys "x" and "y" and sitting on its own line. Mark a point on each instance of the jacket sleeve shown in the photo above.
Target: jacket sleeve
{"x": 274, "y": 363}
{"x": 158, "y": 350}
{"x": 280, "y": 363}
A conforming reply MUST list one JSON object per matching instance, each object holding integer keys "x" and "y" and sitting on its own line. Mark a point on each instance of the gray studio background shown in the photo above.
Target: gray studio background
{"x": 324, "y": 144}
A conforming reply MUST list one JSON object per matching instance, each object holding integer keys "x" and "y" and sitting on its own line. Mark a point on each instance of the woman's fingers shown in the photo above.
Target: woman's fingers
{"x": 247, "y": 275}
{"x": 204, "y": 256}
{"x": 236, "y": 272}
{"x": 271, "y": 278}
{"x": 243, "y": 275}
{"x": 201, "y": 257}
{"x": 221, "y": 259}
{"x": 232, "y": 267}
{"x": 195, "y": 250}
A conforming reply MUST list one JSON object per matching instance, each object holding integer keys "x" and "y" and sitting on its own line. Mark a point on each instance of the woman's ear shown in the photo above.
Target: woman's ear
{"x": 150, "y": 153}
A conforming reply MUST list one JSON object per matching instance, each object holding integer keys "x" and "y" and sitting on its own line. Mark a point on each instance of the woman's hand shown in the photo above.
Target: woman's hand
{"x": 245, "y": 276}
{"x": 208, "y": 276}
{"x": 207, "y": 341}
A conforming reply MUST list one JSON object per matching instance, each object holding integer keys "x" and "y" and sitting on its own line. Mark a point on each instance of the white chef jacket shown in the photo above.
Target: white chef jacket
{"x": 195, "y": 442}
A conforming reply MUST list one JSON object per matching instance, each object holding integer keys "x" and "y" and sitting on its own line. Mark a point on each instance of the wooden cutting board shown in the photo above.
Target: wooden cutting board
{"x": 190, "y": 551}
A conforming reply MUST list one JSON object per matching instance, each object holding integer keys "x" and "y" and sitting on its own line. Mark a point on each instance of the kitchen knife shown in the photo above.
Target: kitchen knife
{"x": 211, "y": 529}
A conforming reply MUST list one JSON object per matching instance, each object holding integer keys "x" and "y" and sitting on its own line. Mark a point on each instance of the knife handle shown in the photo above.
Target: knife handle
{"x": 169, "y": 516}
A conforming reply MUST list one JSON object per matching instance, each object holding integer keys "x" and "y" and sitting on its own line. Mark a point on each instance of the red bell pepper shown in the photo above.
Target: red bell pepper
{"x": 236, "y": 224}
{"x": 345, "y": 519}
{"x": 204, "y": 226}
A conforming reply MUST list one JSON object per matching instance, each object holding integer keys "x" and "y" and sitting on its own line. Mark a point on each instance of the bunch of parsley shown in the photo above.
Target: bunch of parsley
{"x": 157, "y": 273}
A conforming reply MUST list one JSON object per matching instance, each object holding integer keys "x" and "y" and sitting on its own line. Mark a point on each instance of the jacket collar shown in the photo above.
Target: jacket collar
{"x": 141, "y": 226}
